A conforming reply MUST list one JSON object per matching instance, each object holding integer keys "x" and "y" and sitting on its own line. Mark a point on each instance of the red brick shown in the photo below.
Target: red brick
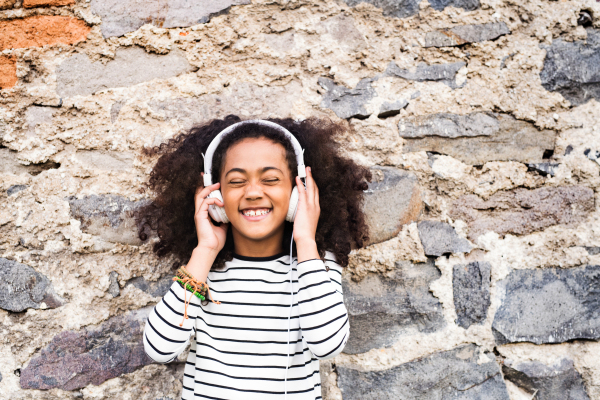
{"x": 46, "y": 3}
{"x": 8, "y": 72}
{"x": 40, "y": 31}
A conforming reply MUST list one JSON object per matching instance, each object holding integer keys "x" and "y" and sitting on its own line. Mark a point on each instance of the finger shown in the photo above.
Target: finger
{"x": 314, "y": 190}
{"x": 309, "y": 184}
{"x": 301, "y": 189}
{"x": 202, "y": 193}
{"x": 207, "y": 202}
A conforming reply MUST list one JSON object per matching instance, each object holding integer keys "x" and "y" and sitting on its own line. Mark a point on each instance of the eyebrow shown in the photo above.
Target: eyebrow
{"x": 243, "y": 171}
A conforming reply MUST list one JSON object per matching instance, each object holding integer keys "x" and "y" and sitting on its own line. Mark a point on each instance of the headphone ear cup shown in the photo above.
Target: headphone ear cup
{"x": 293, "y": 208}
{"x": 217, "y": 213}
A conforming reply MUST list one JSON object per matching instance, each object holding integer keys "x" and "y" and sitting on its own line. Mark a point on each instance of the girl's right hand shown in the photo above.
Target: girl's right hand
{"x": 210, "y": 237}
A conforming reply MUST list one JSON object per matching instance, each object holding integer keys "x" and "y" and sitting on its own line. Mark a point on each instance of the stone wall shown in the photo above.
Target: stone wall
{"x": 479, "y": 118}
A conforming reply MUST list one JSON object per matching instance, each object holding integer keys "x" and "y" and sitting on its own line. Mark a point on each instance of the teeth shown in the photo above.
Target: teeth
{"x": 253, "y": 213}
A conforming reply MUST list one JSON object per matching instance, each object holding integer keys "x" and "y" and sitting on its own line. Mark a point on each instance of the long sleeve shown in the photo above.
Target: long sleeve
{"x": 323, "y": 315}
{"x": 164, "y": 339}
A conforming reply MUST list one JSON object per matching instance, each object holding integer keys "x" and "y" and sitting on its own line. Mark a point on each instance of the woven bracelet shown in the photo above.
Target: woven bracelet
{"x": 191, "y": 289}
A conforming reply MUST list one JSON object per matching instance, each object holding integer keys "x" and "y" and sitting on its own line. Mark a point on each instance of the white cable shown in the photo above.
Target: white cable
{"x": 287, "y": 363}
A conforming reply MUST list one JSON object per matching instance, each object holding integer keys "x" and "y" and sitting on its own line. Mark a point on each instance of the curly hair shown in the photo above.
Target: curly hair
{"x": 176, "y": 176}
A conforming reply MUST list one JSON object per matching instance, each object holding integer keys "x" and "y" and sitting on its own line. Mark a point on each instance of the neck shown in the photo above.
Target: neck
{"x": 265, "y": 247}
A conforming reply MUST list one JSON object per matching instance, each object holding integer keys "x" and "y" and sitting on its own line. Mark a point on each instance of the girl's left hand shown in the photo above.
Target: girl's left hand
{"x": 307, "y": 216}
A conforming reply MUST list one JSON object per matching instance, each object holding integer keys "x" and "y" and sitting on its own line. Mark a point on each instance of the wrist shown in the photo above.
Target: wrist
{"x": 200, "y": 262}
{"x": 306, "y": 249}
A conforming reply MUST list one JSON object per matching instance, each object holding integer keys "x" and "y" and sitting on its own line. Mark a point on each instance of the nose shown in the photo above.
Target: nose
{"x": 254, "y": 191}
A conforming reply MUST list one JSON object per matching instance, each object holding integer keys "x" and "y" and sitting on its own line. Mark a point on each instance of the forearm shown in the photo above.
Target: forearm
{"x": 306, "y": 250}
{"x": 200, "y": 263}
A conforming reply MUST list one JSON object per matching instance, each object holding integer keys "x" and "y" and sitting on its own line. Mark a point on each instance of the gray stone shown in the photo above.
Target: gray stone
{"x": 592, "y": 250}
{"x": 449, "y": 126}
{"x": 122, "y": 16}
{"x": 445, "y": 73}
{"x": 75, "y": 359}
{"x": 546, "y": 168}
{"x": 390, "y": 109}
{"x": 455, "y": 374}
{"x": 393, "y": 8}
{"x": 573, "y": 68}
{"x": 347, "y": 103}
{"x": 464, "y": 34}
{"x": 392, "y": 200}
{"x": 477, "y": 138}
{"x": 241, "y": 98}
{"x": 108, "y": 216}
{"x": 550, "y": 305}
{"x": 522, "y": 211}
{"x": 154, "y": 288}
{"x": 382, "y": 308}
{"x": 439, "y": 238}
{"x": 21, "y": 287}
{"x": 471, "y": 286}
{"x": 114, "y": 288}
{"x": 15, "y": 189}
{"x": 468, "y": 5}
{"x": 557, "y": 382}
{"x": 78, "y": 75}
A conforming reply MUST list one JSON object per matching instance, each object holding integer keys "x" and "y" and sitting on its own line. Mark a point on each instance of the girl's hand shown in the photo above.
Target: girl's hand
{"x": 307, "y": 216}
{"x": 211, "y": 238}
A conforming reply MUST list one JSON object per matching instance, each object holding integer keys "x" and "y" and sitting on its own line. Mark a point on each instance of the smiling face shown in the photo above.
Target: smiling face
{"x": 256, "y": 184}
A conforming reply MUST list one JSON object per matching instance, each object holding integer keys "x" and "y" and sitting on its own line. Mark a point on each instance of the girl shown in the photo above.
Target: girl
{"x": 276, "y": 312}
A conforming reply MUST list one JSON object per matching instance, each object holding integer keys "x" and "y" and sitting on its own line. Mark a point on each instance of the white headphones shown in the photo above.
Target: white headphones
{"x": 218, "y": 213}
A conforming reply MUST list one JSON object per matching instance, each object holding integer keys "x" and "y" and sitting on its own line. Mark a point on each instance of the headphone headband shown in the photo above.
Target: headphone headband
{"x": 215, "y": 143}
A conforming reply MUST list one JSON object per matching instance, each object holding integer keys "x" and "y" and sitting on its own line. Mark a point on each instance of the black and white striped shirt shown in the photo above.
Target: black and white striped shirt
{"x": 239, "y": 349}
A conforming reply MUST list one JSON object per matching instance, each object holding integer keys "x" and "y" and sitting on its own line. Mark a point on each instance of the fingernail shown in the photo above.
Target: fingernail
{"x": 309, "y": 170}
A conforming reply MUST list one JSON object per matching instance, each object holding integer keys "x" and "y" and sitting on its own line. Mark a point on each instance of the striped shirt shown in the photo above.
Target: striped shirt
{"x": 239, "y": 347}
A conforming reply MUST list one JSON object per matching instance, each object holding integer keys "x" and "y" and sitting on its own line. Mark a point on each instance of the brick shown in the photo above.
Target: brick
{"x": 41, "y": 31}
{"x": 8, "y": 72}
{"x": 47, "y": 3}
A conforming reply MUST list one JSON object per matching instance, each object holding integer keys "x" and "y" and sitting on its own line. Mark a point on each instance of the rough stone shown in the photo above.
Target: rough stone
{"x": 347, "y": 103}
{"x": 6, "y": 4}
{"x": 445, "y": 73}
{"x": 392, "y": 200}
{"x": 15, "y": 189}
{"x": 41, "y": 30}
{"x": 549, "y": 306}
{"x": 455, "y": 374}
{"x": 122, "y": 16}
{"x": 343, "y": 30}
{"x": 8, "y": 71}
{"x": 468, "y": 5}
{"x": 75, "y": 359}
{"x": 439, "y": 238}
{"x": 390, "y": 109}
{"x": 154, "y": 288}
{"x": 382, "y": 308}
{"x": 21, "y": 287}
{"x": 572, "y": 68}
{"x": 464, "y": 34}
{"x": 522, "y": 211}
{"x": 557, "y": 382}
{"x": 105, "y": 160}
{"x": 398, "y": 9}
{"x": 592, "y": 250}
{"x": 77, "y": 75}
{"x": 242, "y": 98}
{"x": 114, "y": 288}
{"x": 47, "y": 3}
{"x": 546, "y": 168}
{"x": 108, "y": 216}
{"x": 477, "y": 138}
{"x": 471, "y": 285}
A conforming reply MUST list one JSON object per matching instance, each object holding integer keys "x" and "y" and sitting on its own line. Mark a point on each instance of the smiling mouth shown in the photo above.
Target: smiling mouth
{"x": 256, "y": 213}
